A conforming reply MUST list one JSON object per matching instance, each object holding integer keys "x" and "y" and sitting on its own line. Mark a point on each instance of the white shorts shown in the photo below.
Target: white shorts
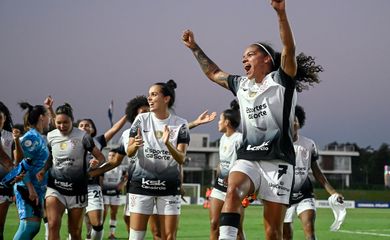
{"x": 112, "y": 200}
{"x": 127, "y": 207}
{"x": 80, "y": 201}
{"x": 95, "y": 198}
{"x": 166, "y": 205}
{"x": 305, "y": 204}
{"x": 272, "y": 179}
{"x": 5, "y": 198}
{"x": 218, "y": 194}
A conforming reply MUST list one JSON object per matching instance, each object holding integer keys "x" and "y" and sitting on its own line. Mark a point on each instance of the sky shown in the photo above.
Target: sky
{"x": 88, "y": 53}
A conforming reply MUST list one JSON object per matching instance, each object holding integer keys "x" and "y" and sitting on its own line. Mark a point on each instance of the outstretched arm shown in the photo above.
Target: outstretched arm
{"x": 288, "y": 60}
{"x": 203, "y": 118}
{"x": 107, "y": 166}
{"x": 117, "y": 126}
{"x": 320, "y": 177}
{"x": 212, "y": 71}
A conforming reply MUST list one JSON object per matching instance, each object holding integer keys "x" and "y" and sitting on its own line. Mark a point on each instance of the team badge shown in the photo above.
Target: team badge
{"x": 63, "y": 145}
{"x": 158, "y": 134}
{"x": 28, "y": 143}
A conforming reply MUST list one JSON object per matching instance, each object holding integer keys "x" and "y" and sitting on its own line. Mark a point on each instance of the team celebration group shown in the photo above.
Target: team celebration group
{"x": 55, "y": 165}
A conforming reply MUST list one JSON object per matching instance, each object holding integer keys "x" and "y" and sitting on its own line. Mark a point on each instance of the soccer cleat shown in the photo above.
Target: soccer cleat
{"x": 248, "y": 200}
{"x": 245, "y": 202}
{"x": 24, "y": 166}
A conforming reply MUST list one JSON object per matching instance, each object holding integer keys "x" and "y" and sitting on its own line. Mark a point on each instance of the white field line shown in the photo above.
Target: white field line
{"x": 366, "y": 233}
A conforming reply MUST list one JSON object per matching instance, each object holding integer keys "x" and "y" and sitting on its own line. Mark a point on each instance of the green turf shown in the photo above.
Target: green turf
{"x": 360, "y": 223}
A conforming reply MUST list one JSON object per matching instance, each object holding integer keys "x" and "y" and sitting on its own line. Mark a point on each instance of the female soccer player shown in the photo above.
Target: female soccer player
{"x": 302, "y": 201}
{"x": 6, "y": 163}
{"x": 113, "y": 182}
{"x": 134, "y": 107}
{"x": 230, "y": 142}
{"x": 68, "y": 178}
{"x": 160, "y": 140}
{"x": 267, "y": 99}
{"x": 30, "y": 191}
{"x": 95, "y": 207}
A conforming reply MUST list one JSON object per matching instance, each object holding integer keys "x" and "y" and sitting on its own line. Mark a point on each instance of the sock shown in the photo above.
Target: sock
{"x": 112, "y": 226}
{"x": 97, "y": 232}
{"x": 229, "y": 223}
{"x": 136, "y": 235}
{"x": 46, "y": 228}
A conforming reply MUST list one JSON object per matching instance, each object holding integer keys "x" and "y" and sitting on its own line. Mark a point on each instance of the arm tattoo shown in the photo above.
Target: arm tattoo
{"x": 207, "y": 65}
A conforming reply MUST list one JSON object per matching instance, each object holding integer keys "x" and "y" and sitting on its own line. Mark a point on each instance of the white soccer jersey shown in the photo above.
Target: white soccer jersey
{"x": 228, "y": 147}
{"x": 68, "y": 174}
{"x": 267, "y": 114}
{"x": 305, "y": 152}
{"x": 156, "y": 172}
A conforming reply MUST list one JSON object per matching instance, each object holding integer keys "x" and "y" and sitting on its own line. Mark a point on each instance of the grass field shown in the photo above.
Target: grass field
{"x": 360, "y": 223}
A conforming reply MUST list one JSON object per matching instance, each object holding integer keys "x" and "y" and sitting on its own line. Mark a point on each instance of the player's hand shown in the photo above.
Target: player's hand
{"x": 188, "y": 39}
{"x": 138, "y": 140}
{"x": 48, "y": 103}
{"x": 165, "y": 136}
{"x": 94, "y": 163}
{"x": 278, "y": 5}
{"x": 18, "y": 178}
{"x": 340, "y": 198}
{"x": 205, "y": 117}
{"x": 40, "y": 175}
{"x": 33, "y": 196}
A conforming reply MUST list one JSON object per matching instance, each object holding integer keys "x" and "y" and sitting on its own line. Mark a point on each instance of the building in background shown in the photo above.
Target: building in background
{"x": 203, "y": 159}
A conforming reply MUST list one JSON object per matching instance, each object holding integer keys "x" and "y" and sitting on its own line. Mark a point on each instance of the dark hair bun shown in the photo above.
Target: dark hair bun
{"x": 234, "y": 105}
{"x": 172, "y": 84}
{"x": 67, "y": 105}
{"x": 26, "y": 105}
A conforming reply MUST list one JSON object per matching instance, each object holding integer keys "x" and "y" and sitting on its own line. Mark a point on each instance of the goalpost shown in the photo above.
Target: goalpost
{"x": 192, "y": 192}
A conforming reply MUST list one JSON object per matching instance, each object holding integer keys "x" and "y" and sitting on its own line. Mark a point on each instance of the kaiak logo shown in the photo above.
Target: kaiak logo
{"x": 262, "y": 147}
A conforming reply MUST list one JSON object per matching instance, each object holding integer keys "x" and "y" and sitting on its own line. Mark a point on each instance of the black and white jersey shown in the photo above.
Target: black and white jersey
{"x": 100, "y": 143}
{"x": 124, "y": 142}
{"x": 156, "y": 172}
{"x": 111, "y": 181}
{"x": 68, "y": 174}
{"x": 228, "y": 147}
{"x": 306, "y": 152}
{"x": 267, "y": 115}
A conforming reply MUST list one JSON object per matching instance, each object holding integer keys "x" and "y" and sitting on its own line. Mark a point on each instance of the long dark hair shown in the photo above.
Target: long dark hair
{"x": 307, "y": 70}
{"x": 8, "y": 119}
